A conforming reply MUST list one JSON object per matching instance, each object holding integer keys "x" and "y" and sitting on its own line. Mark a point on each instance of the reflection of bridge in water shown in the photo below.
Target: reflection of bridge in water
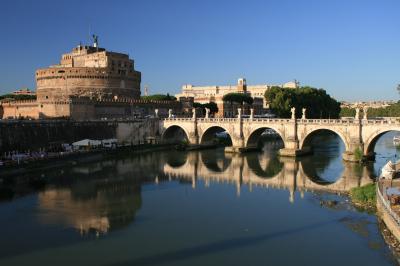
{"x": 283, "y": 173}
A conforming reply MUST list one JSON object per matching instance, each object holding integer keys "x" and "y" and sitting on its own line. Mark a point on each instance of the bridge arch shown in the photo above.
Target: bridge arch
{"x": 174, "y": 134}
{"x": 369, "y": 145}
{"x": 208, "y": 135}
{"x": 253, "y": 138}
{"x": 305, "y": 140}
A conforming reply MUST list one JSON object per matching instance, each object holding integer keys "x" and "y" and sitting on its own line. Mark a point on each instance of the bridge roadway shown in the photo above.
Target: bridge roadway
{"x": 358, "y": 135}
{"x": 242, "y": 170}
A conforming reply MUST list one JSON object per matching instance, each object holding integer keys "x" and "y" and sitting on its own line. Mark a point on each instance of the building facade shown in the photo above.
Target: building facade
{"x": 206, "y": 94}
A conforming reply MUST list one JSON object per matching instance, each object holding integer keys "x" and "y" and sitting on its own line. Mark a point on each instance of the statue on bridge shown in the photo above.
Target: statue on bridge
{"x": 365, "y": 111}
{"x": 293, "y": 111}
{"x": 357, "y": 117}
{"x": 207, "y": 112}
{"x": 303, "y": 113}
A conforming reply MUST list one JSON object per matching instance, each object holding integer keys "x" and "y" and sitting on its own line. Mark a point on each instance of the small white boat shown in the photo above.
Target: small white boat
{"x": 396, "y": 140}
{"x": 388, "y": 170}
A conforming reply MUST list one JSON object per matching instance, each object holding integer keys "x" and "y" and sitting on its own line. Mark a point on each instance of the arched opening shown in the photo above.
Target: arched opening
{"x": 175, "y": 135}
{"x": 263, "y": 166}
{"x": 383, "y": 147}
{"x": 266, "y": 139}
{"x": 215, "y": 160}
{"x": 325, "y": 165}
{"x": 216, "y": 135}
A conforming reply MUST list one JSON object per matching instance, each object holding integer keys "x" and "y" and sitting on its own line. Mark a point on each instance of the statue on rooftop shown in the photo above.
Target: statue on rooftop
{"x": 95, "y": 40}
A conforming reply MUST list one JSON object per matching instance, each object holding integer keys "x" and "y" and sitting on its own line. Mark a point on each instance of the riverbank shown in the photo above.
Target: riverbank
{"x": 76, "y": 158}
{"x": 364, "y": 197}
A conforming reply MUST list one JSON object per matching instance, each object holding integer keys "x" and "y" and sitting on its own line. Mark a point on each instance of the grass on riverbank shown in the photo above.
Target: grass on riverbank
{"x": 364, "y": 196}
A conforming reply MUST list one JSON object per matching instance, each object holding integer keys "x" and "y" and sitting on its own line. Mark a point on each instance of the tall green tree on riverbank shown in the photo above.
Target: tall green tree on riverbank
{"x": 318, "y": 103}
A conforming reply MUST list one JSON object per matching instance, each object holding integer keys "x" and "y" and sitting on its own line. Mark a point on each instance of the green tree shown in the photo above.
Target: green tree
{"x": 239, "y": 98}
{"x": 211, "y": 105}
{"x": 318, "y": 103}
{"x": 388, "y": 111}
{"x": 347, "y": 112}
{"x": 17, "y": 97}
{"x": 159, "y": 97}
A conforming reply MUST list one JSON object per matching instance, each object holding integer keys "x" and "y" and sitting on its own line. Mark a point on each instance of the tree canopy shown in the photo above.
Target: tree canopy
{"x": 318, "y": 103}
{"x": 159, "y": 97}
{"x": 236, "y": 97}
{"x": 389, "y": 111}
{"x": 18, "y": 97}
{"x": 211, "y": 105}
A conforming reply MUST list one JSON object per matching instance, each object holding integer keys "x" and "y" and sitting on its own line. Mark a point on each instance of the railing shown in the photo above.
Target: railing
{"x": 178, "y": 119}
{"x": 327, "y": 121}
{"x": 217, "y": 119}
{"x": 386, "y": 206}
{"x": 386, "y": 121}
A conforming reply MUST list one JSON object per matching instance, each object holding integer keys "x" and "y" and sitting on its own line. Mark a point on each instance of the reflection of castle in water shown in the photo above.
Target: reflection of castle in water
{"x": 98, "y": 197}
{"x": 258, "y": 170}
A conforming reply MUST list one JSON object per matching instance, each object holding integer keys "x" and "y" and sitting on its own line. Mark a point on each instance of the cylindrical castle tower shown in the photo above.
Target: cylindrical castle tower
{"x": 89, "y": 72}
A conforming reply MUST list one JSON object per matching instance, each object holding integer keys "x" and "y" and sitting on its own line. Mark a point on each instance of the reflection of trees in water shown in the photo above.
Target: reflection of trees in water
{"x": 215, "y": 160}
{"x": 263, "y": 165}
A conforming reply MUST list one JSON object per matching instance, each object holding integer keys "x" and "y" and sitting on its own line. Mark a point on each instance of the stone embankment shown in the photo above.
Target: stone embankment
{"x": 35, "y": 135}
{"x": 389, "y": 216}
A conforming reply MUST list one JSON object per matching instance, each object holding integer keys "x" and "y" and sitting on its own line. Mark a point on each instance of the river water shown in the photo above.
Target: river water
{"x": 196, "y": 208}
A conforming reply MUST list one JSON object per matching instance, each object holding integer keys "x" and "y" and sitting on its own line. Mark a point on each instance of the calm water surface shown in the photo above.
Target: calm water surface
{"x": 196, "y": 208}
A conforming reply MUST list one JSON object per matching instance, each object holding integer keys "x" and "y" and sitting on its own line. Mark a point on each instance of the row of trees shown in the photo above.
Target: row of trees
{"x": 18, "y": 97}
{"x": 239, "y": 98}
{"x": 159, "y": 97}
{"x": 390, "y": 111}
{"x": 318, "y": 103}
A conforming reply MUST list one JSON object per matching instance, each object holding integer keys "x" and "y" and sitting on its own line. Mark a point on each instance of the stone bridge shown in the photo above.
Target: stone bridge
{"x": 241, "y": 170}
{"x": 358, "y": 135}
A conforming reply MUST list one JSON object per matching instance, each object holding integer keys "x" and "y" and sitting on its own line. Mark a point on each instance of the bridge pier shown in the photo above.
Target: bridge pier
{"x": 355, "y": 150}
{"x": 292, "y": 147}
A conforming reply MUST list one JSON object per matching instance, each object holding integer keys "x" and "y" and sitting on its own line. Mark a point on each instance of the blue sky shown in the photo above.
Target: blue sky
{"x": 351, "y": 48}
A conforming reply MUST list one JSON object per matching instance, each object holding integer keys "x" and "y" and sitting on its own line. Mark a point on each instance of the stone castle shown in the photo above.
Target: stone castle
{"x": 88, "y": 83}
